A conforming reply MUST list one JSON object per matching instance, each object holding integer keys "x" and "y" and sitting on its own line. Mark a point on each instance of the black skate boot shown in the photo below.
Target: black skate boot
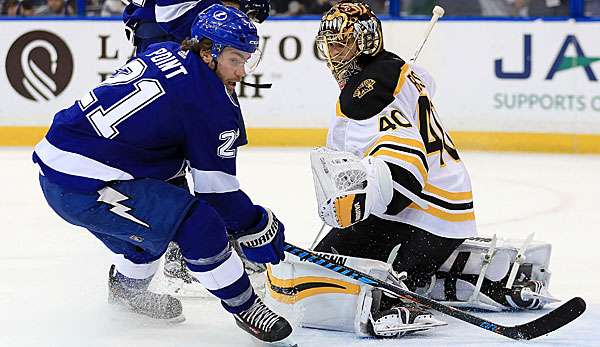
{"x": 263, "y": 323}
{"x": 139, "y": 299}
{"x": 401, "y": 320}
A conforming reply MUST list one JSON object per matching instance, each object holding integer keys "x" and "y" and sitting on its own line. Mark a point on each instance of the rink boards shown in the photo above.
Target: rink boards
{"x": 501, "y": 85}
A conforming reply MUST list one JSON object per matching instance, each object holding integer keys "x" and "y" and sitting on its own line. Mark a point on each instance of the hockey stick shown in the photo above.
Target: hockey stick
{"x": 543, "y": 325}
{"x": 438, "y": 12}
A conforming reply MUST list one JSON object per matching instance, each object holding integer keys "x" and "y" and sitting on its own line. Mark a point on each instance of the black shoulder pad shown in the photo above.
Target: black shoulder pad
{"x": 369, "y": 92}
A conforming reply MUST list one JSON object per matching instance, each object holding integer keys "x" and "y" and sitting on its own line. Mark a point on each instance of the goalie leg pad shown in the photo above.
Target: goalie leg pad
{"x": 319, "y": 298}
{"x": 458, "y": 277}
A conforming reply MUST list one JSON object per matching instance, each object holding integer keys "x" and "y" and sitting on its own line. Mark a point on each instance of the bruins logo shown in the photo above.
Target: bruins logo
{"x": 363, "y": 88}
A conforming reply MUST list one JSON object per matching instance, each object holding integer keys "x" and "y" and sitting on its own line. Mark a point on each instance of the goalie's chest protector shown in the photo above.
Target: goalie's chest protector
{"x": 386, "y": 112}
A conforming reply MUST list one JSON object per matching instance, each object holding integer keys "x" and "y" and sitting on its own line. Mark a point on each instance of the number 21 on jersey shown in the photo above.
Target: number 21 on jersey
{"x": 145, "y": 91}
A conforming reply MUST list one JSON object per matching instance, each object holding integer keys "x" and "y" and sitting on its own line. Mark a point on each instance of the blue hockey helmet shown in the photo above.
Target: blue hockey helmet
{"x": 225, "y": 27}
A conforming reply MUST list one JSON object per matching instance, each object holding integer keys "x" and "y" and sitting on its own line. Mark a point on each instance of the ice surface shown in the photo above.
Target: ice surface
{"x": 53, "y": 276}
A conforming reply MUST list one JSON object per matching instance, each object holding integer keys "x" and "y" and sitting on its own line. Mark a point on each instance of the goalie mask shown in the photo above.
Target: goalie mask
{"x": 348, "y": 30}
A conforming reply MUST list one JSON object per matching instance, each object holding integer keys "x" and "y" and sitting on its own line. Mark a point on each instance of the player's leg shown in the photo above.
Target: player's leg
{"x": 319, "y": 298}
{"x": 128, "y": 286}
{"x": 420, "y": 255}
{"x": 496, "y": 274}
{"x": 146, "y": 33}
{"x": 180, "y": 280}
{"x": 433, "y": 268}
{"x": 212, "y": 260}
{"x": 136, "y": 219}
{"x": 174, "y": 267}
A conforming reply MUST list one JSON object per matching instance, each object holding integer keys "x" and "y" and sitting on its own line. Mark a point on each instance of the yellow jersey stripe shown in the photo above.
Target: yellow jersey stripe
{"x": 401, "y": 79}
{"x": 448, "y": 195}
{"x": 409, "y": 158}
{"x": 449, "y": 217}
{"x": 399, "y": 140}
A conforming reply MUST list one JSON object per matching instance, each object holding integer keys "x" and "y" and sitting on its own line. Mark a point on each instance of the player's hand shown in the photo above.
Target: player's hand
{"x": 256, "y": 10}
{"x": 264, "y": 242}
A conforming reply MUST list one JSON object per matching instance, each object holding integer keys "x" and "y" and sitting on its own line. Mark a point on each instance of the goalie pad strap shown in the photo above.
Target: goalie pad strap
{"x": 455, "y": 271}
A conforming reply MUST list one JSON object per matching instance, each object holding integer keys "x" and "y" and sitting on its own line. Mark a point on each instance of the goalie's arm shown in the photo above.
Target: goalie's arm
{"x": 349, "y": 189}
{"x": 404, "y": 155}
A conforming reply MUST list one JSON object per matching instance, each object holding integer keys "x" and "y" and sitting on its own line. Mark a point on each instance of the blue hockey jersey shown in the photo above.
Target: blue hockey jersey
{"x": 174, "y": 16}
{"x": 156, "y": 113}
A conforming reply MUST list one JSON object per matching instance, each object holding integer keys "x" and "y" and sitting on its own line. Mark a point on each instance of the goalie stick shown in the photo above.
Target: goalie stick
{"x": 438, "y": 12}
{"x": 543, "y": 325}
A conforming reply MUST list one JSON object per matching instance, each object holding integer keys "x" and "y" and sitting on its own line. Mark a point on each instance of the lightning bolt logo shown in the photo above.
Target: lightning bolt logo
{"x": 113, "y": 197}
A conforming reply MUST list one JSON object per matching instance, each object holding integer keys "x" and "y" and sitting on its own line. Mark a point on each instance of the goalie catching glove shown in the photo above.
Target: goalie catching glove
{"x": 264, "y": 242}
{"x": 348, "y": 188}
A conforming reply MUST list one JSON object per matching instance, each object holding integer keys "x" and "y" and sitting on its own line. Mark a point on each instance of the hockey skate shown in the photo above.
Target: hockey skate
{"x": 401, "y": 320}
{"x": 142, "y": 301}
{"x": 174, "y": 267}
{"x": 178, "y": 280}
{"x": 262, "y": 323}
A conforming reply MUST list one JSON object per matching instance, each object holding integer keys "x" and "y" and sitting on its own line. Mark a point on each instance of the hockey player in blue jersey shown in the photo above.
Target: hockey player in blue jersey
{"x": 153, "y": 21}
{"x": 105, "y": 160}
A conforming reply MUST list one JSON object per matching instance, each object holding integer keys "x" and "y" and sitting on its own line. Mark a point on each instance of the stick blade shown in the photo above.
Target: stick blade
{"x": 547, "y": 323}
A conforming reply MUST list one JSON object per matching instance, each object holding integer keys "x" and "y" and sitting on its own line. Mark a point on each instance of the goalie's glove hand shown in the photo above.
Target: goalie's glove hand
{"x": 264, "y": 242}
{"x": 256, "y": 10}
{"x": 348, "y": 188}
{"x": 345, "y": 210}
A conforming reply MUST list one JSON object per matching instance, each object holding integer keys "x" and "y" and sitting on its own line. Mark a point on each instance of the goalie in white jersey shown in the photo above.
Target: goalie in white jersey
{"x": 393, "y": 187}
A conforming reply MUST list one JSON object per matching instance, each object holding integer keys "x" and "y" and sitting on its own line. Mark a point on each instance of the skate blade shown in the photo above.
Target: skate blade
{"x": 287, "y": 342}
{"x": 179, "y": 288}
{"x": 138, "y": 316}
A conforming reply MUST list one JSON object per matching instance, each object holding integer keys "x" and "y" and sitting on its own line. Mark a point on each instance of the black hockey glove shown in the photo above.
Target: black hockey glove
{"x": 256, "y": 10}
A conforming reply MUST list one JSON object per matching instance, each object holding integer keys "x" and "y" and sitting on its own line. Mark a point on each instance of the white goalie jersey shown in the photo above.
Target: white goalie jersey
{"x": 386, "y": 112}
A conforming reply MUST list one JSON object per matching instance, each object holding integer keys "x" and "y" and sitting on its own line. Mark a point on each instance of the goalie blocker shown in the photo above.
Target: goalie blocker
{"x": 476, "y": 275}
